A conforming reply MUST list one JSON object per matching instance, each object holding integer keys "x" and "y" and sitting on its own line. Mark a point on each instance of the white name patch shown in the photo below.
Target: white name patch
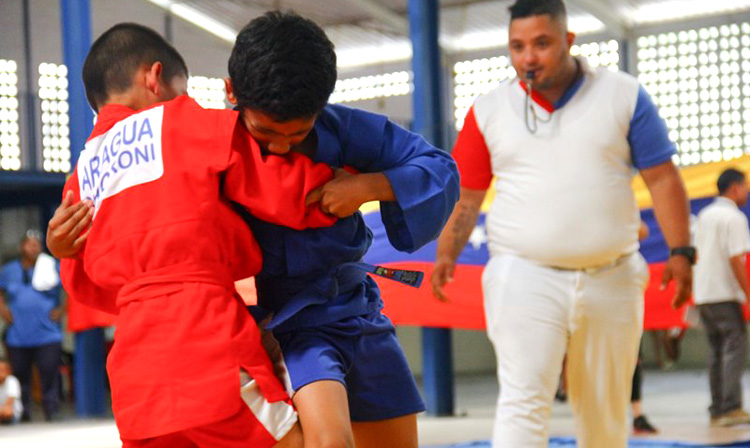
{"x": 127, "y": 155}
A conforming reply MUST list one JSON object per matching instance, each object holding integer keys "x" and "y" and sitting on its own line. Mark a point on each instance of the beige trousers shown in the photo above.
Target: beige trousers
{"x": 537, "y": 314}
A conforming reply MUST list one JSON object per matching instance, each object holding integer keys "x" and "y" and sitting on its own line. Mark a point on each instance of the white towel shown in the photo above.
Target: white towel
{"x": 45, "y": 273}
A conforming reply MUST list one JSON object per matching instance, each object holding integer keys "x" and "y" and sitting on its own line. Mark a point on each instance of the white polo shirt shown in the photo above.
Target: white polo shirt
{"x": 721, "y": 232}
{"x": 564, "y": 195}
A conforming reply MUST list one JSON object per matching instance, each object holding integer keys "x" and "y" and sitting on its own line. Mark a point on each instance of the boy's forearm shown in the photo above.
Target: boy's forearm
{"x": 376, "y": 187}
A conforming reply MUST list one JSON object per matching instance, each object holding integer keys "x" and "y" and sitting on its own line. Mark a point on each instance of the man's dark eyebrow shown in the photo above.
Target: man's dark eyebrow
{"x": 534, "y": 39}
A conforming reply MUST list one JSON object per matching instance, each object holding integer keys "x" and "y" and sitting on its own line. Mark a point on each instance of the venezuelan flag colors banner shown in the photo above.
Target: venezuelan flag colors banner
{"x": 407, "y": 306}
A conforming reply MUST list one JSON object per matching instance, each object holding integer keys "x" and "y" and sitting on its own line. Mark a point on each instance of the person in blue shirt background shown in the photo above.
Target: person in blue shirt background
{"x": 349, "y": 378}
{"x": 31, "y": 306}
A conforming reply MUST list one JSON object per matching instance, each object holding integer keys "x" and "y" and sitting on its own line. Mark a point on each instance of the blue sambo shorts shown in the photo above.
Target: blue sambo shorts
{"x": 364, "y": 355}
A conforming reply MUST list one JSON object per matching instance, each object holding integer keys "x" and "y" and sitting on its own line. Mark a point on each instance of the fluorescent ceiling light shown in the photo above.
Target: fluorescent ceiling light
{"x": 476, "y": 40}
{"x": 585, "y": 24}
{"x": 198, "y": 19}
{"x": 375, "y": 54}
{"x": 682, "y": 9}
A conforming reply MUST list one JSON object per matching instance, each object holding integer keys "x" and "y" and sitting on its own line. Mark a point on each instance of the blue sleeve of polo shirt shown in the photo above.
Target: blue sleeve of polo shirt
{"x": 424, "y": 178}
{"x": 648, "y": 135}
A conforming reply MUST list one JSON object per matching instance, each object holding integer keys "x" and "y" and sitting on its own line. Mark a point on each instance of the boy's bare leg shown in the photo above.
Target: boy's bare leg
{"x": 324, "y": 415}
{"x": 400, "y": 432}
{"x": 293, "y": 439}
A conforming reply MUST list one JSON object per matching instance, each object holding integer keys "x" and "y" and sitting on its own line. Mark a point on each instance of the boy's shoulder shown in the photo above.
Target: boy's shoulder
{"x": 184, "y": 102}
{"x": 336, "y": 115}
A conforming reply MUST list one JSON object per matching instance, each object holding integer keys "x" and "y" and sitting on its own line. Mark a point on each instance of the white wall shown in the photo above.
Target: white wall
{"x": 472, "y": 351}
{"x": 14, "y": 222}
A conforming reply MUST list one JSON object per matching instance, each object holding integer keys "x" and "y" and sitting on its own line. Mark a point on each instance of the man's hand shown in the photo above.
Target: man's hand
{"x": 56, "y": 314}
{"x": 69, "y": 227}
{"x": 453, "y": 239}
{"x": 6, "y": 314}
{"x": 679, "y": 269}
{"x": 442, "y": 273}
{"x": 6, "y": 411}
{"x": 673, "y": 213}
{"x": 346, "y": 193}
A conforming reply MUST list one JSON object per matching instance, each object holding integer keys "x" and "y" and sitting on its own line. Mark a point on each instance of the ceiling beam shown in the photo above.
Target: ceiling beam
{"x": 607, "y": 13}
{"x": 384, "y": 15}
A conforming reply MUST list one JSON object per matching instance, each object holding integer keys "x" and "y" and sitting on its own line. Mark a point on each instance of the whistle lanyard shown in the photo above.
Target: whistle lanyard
{"x": 530, "y": 116}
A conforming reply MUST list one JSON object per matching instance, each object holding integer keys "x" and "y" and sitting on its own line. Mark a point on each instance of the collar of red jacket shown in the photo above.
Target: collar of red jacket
{"x": 110, "y": 114}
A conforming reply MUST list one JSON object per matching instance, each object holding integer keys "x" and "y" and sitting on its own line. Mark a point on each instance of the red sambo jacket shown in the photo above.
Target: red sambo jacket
{"x": 165, "y": 248}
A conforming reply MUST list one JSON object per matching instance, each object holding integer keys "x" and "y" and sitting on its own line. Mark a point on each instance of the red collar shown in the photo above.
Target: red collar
{"x": 538, "y": 98}
{"x": 108, "y": 116}
{"x": 112, "y": 113}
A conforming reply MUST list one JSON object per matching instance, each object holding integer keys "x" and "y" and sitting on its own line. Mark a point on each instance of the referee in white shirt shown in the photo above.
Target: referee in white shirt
{"x": 565, "y": 275}
{"x": 721, "y": 288}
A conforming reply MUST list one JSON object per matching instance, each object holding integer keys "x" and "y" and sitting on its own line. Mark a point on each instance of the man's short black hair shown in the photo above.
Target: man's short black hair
{"x": 283, "y": 65}
{"x": 729, "y": 177}
{"x": 117, "y": 54}
{"x": 522, "y": 9}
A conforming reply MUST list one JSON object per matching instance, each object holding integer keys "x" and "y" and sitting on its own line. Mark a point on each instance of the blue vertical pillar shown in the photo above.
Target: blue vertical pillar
{"x": 89, "y": 377}
{"x": 89, "y": 374}
{"x": 31, "y": 162}
{"x": 626, "y": 61}
{"x": 437, "y": 367}
{"x": 428, "y": 120}
{"x": 76, "y": 39}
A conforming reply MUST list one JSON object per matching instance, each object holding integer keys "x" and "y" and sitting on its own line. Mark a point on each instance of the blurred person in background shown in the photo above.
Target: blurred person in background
{"x": 31, "y": 306}
{"x": 721, "y": 291}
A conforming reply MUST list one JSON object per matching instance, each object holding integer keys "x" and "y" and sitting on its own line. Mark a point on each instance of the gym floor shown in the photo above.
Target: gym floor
{"x": 675, "y": 402}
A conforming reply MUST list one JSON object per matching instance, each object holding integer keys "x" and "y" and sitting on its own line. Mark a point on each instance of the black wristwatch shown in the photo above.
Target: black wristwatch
{"x": 688, "y": 252}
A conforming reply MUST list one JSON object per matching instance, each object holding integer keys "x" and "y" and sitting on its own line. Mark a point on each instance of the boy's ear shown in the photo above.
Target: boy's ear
{"x": 230, "y": 92}
{"x": 153, "y": 77}
{"x": 570, "y": 38}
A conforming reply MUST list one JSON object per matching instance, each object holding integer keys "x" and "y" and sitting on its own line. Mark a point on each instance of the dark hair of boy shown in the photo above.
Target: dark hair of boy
{"x": 117, "y": 54}
{"x": 283, "y": 65}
